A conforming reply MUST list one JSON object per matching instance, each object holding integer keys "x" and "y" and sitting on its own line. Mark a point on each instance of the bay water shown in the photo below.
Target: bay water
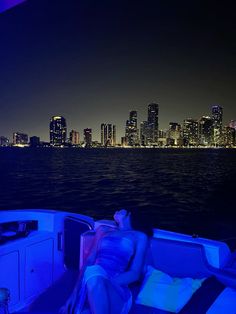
{"x": 185, "y": 190}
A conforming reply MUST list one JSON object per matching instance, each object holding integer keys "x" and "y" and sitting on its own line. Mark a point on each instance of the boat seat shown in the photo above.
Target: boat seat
{"x": 178, "y": 259}
{"x": 225, "y": 303}
{"x": 198, "y": 304}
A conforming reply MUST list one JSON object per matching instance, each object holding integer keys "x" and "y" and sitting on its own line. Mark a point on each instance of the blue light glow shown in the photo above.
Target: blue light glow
{"x": 7, "y": 4}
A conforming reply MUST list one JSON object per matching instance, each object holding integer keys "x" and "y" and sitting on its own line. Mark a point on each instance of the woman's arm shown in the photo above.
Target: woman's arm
{"x": 135, "y": 270}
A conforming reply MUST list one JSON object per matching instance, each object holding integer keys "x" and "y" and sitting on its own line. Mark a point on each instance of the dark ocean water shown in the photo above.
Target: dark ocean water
{"x": 190, "y": 191}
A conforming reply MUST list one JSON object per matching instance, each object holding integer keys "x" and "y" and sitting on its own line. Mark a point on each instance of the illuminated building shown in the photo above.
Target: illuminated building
{"x": 103, "y": 134}
{"x": 114, "y": 135}
{"x": 144, "y": 133}
{"x": 58, "y": 131}
{"x": 232, "y": 124}
{"x": 190, "y": 132}
{"x": 173, "y": 134}
{"x": 205, "y": 130}
{"x": 153, "y": 111}
{"x": 123, "y": 141}
{"x": 131, "y": 130}
{"x": 4, "y": 141}
{"x": 20, "y": 139}
{"x": 108, "y": 134}
{"x": 217, "y": 118}
{"x": 228, "y": 135}
{"x": 74, "y": 137}
{"x": 162, "y": 136}
{"x": 88, "y": 137}
{"x": 34, "y": 141}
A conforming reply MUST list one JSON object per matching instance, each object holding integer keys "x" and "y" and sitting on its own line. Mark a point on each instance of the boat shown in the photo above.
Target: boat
{"x": 42, "y": 251}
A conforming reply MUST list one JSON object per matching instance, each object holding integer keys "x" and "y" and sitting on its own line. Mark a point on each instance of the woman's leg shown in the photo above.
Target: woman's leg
{"x": 116, "y": 297}
{"x": 97, "y": 295}
{"x": 103, "y": 297}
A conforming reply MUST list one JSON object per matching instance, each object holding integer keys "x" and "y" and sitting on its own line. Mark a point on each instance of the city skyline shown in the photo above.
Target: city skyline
{"x": 206, "y": 130}
{"x": 92, "y": 62}
{"x": 120, "y": 131}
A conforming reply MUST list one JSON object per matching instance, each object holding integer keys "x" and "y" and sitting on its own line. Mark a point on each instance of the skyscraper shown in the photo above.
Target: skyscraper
{"x": 20, "y": 138}
{"x": 162, "y": 138}
{"x": 34, "y": 141}
{"x": 173, "y": 134}
{"x": 58, "y": 131}
{"x": 232, "y": 124}
{"x": 205, "y": 125}
{"x": 133, "y": 117}
{"x": 88, "y": 137}
{"x": 114, "y": 135}
{"x": 103, "y": 134}
{"x": 74, "y": 137}
{"x": 108, "y": 134}
{"x": 190, "y": 132}
{"x": 131, "y": 130}
{"x": 144, "y": 133}
{"x": 4, "y": 141}
{"x": 228, "y": 136}
{"x": 153, "y": 111}
{"x": 217, "y": 118}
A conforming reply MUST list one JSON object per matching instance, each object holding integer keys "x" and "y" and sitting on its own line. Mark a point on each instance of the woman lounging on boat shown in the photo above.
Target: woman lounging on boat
{"x": 115, "y": 261}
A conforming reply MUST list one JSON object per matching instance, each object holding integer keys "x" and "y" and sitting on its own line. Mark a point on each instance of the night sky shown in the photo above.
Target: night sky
{"x": 93, "y": 61}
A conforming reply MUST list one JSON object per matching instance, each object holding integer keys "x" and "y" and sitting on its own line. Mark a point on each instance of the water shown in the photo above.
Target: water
{"x": 190, "y": 191}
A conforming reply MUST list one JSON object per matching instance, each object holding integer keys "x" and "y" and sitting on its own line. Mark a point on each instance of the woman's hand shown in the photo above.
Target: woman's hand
{"x": 69, "y": 306}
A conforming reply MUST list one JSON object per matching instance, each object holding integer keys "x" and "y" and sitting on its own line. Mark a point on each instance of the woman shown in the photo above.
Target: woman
{"x": 115, "y": 261}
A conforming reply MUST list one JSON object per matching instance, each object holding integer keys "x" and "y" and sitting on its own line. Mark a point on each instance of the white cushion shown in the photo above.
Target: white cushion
{"x": 161, "y": 291}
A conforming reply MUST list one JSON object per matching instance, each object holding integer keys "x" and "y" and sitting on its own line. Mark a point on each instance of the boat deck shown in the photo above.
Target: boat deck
{"x": 51, "y": 300}
{"x": 39, "y": 284}
{"x": 54, "y": 297}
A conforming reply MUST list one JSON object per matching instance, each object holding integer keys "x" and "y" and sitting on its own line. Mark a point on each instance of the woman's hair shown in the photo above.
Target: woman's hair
{"x": 141, "y": 221}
